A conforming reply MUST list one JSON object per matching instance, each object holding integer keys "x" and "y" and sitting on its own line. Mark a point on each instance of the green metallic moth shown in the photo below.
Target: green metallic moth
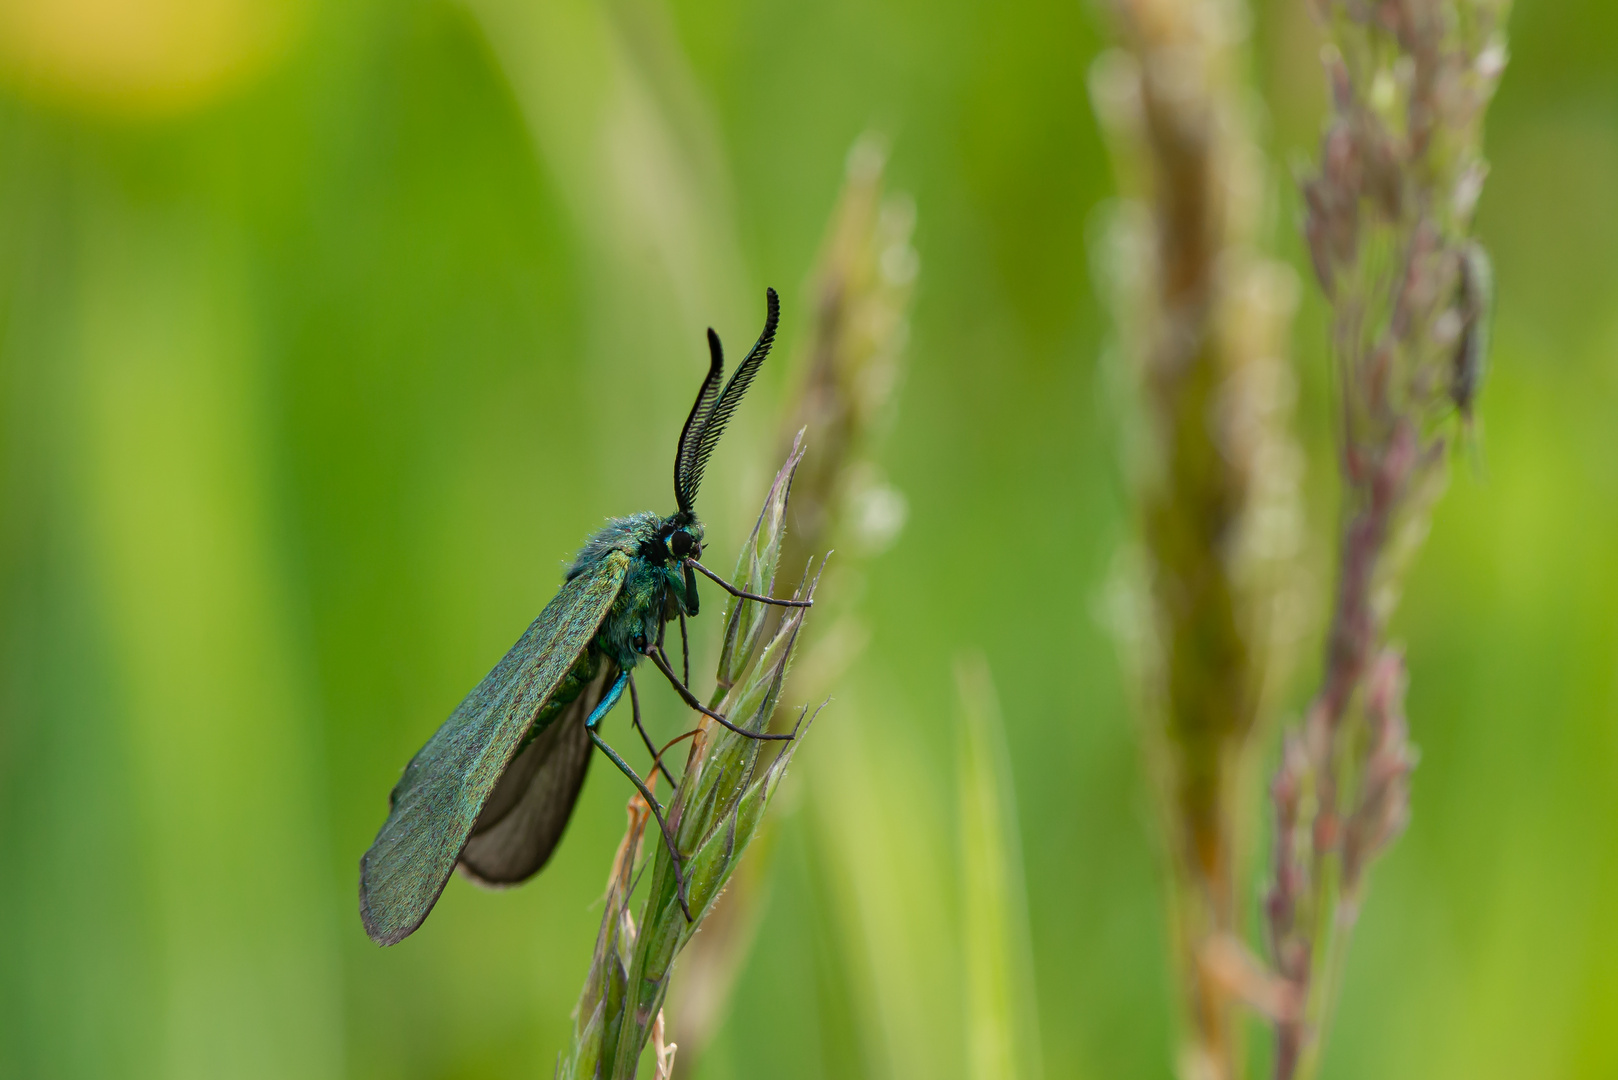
{"x": 494, "y": 787}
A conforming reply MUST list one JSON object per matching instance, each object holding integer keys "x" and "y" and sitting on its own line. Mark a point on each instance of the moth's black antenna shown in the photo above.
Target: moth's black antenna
{"x": 685, "y": 454}
{"x": 713, "y": 425}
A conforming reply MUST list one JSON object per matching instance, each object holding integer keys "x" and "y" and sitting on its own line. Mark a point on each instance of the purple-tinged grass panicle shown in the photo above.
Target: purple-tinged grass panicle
{"x": 1387, "y": 218}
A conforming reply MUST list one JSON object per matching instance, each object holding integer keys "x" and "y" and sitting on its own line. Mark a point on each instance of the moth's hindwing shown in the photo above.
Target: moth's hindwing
{"x": 445, "y": 786}
{"x": 530, "y": 806}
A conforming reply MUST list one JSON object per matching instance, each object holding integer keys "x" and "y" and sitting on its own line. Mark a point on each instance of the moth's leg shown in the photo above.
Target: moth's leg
{"x": 744, "y": 594}
{"x": 662, "y": 662}
{"x": 685, "y": 653}
{"x": 590, "y": 725}
{"x": 685, "y": 646}
{"x": 692, "y": 601}
{"x": 651, "y": 748}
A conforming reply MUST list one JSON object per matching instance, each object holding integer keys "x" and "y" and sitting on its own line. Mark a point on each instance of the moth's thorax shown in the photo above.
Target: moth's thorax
{"x": 657, "y": 584}
{"x": 647, "y": 536}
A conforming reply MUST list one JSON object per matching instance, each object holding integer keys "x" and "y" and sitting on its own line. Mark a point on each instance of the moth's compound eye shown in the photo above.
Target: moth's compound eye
{"x": 684, "y": 546}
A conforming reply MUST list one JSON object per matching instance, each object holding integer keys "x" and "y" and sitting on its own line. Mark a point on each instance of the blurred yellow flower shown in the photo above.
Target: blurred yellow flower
{"x": 138, "y": 57}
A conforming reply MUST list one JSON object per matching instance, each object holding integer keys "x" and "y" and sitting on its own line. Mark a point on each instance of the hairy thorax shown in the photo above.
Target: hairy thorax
{"x": 657, "y": 587}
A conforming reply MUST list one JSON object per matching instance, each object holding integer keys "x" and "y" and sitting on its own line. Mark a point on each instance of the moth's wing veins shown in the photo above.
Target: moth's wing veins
{"x": 437, "y": 801}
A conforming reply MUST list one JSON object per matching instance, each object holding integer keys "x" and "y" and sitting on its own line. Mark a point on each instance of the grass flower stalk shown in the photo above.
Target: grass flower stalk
{"x": 1388, "y": 222}
{"x": 848, "y": 373}
{"x": 713, "y": 813}
{"x": 602, "y": 1001}
{"x": 1202, "y": 323}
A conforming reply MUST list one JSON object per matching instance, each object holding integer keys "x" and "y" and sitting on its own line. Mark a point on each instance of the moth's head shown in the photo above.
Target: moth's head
{"x": 709, "y": 415}
{"x": 677, "y": 537}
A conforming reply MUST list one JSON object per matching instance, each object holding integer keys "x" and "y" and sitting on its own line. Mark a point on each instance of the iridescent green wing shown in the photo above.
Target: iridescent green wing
{"x": 446, "y": 784}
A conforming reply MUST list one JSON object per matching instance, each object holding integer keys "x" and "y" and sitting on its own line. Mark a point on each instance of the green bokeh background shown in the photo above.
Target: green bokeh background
{"x": 310, "y": 380}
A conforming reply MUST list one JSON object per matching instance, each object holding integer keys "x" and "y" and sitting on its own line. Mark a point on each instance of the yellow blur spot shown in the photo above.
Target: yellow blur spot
{"x": 137, "y": 57}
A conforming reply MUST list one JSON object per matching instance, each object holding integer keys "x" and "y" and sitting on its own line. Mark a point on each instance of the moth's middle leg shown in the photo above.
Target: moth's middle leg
{"x": 603, "y": 707}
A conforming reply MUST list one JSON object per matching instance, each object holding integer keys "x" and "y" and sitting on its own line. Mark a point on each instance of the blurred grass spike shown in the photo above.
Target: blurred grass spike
{"x": 1202, "y": 321}
{"x": 851, "y": 367}
{"x": 493, "y": 789}
{"x": 713, "y": 815}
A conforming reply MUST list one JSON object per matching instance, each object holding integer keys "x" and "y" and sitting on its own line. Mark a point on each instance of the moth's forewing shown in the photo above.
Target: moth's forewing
{"x": 530, "y": 806}
{"x": 445, "y": 786}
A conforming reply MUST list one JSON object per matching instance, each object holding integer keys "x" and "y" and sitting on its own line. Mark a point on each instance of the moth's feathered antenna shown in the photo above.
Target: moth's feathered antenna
{"x": 711, "y": 426}
{"x": 685, "y": 454}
